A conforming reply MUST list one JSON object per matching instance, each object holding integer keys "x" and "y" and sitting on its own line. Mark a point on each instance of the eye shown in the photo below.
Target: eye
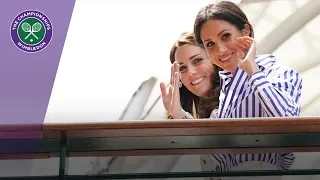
{"x": 197, "y": 60}
{"x": 182, "y": 68}
{"x": 210, "y": 44}
{"x": 226, "y": 36}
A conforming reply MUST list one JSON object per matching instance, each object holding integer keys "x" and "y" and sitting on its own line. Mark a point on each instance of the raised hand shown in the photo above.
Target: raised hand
{"x": 247, "y": 54}
{"x": 171, "y": 99}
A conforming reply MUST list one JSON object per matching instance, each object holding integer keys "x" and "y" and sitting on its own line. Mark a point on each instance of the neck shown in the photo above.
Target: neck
{"x": 233, "y": 71}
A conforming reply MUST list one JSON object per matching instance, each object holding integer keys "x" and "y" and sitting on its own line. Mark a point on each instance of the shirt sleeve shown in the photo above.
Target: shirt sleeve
{"x": 214, "y": 114}
{"x": 279, "y": 92}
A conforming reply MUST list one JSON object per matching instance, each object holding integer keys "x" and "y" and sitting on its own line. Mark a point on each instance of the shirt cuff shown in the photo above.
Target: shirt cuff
{"x": 258, "y": 80}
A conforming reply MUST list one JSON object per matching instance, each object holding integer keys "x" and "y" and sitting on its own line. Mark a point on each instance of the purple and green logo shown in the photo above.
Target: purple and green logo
{"x": 31, "y": 31}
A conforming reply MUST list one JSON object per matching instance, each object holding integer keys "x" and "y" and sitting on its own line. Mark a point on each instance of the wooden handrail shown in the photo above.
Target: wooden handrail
{"x": 222, "y": 126}
{"x": 185, "y": 127}
{"x": 187, "y": 136}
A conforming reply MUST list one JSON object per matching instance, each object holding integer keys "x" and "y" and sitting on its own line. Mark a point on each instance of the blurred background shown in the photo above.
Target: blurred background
{"x": 113, "y": 46}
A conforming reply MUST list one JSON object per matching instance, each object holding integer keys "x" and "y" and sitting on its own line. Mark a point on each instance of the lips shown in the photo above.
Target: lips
{"x": 226, "y": 58}
{"x": 197, "y": 81}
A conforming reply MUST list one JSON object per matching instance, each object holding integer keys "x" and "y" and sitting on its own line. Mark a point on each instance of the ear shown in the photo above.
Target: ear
{"x": 246, "y": 30}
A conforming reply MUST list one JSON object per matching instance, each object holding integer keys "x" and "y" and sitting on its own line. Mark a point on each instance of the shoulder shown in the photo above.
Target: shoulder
{"x": 268, "y": 64}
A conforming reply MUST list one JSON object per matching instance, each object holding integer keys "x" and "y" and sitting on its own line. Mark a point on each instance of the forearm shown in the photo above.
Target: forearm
{"x": 279, "y": 99}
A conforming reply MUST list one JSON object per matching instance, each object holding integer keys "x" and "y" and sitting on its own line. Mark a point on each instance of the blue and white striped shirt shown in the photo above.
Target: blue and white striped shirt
{"x": 273, "y": 91}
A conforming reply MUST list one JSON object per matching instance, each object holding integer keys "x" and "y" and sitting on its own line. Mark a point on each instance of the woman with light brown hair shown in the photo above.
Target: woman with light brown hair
{"x": 194, "y": 85}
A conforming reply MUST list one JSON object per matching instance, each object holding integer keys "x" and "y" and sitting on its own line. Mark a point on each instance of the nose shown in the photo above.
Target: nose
{"x": 221, "y": 49}
{"x": 192, "y": 70}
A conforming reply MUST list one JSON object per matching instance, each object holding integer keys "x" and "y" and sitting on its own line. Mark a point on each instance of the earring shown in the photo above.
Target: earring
{"x": 180, "y": 84}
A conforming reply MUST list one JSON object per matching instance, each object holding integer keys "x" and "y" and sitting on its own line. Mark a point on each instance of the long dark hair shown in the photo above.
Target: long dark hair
{"x": 203, "y": 105}
{"x": 221, "y": 10}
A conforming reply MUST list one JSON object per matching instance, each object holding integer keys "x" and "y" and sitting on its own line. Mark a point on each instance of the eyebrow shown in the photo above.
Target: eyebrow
{"x": 193, "y": 56}
{"x": 218, "y": 34}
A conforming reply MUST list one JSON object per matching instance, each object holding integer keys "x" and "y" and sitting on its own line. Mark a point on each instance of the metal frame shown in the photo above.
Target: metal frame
{"x": 296, "y": 142}
{"x": 292, "y": 24}
{"x": 171, "y": 175}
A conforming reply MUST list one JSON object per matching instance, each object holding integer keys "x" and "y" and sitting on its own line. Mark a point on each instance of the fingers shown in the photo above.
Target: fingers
{"x": 247, "y": 38}
{"x": 241, "y": 54}
{"x": 243, "y": 43}
{"x": 171, "y": 89}
{"x": 174, "y": 68}
{"x": 252, "y": 51}
{"x": 248, "y": 43}
{"x": 241, "y": 51}
{"x": 163, "y": 89}
{"x": 176, "y": 75}
{"x": 176, "y": 80}
{"x": 176, "y": 92}
{"x": 171, "y": 76}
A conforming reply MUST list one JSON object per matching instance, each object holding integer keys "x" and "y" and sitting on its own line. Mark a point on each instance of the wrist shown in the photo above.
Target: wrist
{"x": 252, "y": 68}
{"x": 179, "y": 115}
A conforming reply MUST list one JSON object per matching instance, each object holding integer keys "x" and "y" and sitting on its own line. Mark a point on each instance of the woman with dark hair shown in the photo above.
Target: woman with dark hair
{"x": 197, "y": 94}
{"x": 251, "y": 85}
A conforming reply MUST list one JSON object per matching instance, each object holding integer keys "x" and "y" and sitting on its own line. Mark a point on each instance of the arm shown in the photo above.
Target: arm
{"x": 279, "y": 94}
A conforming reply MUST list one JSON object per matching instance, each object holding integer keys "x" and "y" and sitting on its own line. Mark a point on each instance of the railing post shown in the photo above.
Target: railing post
{"x": 63, "y": 157}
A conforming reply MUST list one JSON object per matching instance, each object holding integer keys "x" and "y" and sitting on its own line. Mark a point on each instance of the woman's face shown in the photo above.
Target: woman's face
{"x": 219, "y": 39}
{"x": 196, "y": 69}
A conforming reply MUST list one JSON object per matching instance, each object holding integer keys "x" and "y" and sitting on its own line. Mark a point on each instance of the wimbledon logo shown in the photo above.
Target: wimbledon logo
{"x": 31, "y": 31}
